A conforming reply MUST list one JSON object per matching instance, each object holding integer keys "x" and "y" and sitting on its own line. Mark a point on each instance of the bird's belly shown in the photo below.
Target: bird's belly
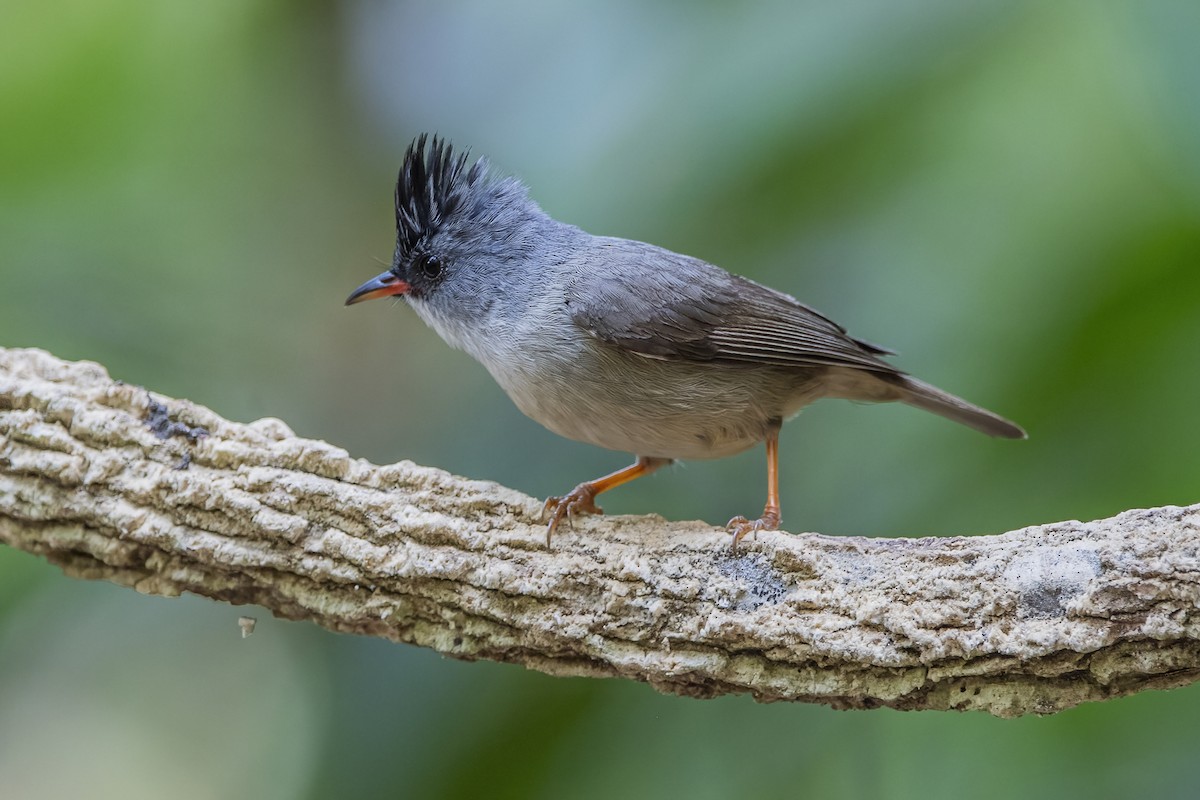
{"x": 681, "y": 436}
{"x": 654, "y": 408}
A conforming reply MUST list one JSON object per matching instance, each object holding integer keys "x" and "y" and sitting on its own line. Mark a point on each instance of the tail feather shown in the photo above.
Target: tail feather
{"x": 930, "y": 398}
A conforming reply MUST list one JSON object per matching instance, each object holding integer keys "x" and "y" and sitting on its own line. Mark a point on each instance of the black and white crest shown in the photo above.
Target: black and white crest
{"x": 433, "y": 183}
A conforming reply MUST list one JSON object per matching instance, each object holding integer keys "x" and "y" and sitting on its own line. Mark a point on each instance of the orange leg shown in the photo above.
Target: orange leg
{"x": 581, "y": 499}
{"x": 740, "y": 526}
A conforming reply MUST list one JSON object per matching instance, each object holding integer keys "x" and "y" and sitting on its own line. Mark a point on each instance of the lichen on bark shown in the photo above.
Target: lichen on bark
{"x": 112, "y": 482}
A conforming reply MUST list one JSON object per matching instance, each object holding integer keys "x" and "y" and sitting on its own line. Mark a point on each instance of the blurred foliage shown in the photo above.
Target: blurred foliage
{"x": 1006, "y": 193}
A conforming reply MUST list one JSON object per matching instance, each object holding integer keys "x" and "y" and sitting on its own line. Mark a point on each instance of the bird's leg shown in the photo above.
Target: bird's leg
{"x": 770, "y": 519}
{"x": 581, "y": 499}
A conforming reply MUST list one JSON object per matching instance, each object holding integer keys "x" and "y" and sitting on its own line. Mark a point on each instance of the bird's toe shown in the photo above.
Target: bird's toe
{"x": 739, "y": 527}
{"x": 580, "y": 500}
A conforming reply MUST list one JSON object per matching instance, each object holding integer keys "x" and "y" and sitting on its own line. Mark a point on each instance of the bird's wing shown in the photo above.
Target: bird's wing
{"x": 665, "y": 305}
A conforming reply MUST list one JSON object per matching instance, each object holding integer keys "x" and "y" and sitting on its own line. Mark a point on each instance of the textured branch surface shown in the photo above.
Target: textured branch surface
{"x": 107, "y": 482}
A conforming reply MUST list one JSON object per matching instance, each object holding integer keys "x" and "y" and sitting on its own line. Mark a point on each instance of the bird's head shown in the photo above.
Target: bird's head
{"x": 458, "y": 230}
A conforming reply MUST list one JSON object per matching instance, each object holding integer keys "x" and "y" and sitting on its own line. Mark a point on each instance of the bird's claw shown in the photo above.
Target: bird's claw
{"x": 739, "y": 526}
{"x": 580, "y": 500}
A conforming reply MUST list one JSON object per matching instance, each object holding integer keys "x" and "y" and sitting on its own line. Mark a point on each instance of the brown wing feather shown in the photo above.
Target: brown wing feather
{"x": 664, "y": 305}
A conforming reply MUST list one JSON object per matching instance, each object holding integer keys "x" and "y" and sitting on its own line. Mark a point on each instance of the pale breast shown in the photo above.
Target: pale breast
{"x": 590, "y": 391}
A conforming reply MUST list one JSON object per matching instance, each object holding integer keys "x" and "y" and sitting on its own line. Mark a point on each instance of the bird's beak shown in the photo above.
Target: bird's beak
{"x": 384, "y": 285}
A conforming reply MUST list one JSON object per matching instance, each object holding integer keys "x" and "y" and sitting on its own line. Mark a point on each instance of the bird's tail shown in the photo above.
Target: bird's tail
{"x": 922, "y": 395}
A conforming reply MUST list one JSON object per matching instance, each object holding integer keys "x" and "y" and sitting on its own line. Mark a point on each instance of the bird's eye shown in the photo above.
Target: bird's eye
{"x": 431, "y": 268}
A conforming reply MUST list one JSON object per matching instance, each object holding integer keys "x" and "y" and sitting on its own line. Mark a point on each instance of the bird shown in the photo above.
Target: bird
{"x": 619, "y": 343}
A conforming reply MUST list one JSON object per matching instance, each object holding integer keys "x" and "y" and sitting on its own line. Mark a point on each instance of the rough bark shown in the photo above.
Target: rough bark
{"x": 109, "y": 482}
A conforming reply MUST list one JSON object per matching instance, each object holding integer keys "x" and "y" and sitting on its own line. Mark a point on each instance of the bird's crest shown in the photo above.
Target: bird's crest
{"x": 433, "y": 183}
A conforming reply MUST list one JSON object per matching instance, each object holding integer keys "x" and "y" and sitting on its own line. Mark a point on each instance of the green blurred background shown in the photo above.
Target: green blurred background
{"x": 1006, "y": 193}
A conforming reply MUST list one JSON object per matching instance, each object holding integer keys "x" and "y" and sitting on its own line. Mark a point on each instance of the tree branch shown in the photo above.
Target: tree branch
{"x": 167, "y": 497}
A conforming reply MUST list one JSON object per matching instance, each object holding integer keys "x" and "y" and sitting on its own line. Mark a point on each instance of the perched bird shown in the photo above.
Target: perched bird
{"x": 620, "y": 343}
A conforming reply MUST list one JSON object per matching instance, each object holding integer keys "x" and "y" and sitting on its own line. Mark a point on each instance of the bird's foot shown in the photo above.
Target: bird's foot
{"x": 740, "y": 526}
{"x": 580, "y": 500}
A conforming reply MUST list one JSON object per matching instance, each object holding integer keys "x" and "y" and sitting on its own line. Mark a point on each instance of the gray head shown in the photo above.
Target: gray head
{"x": 461, "y": 233}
